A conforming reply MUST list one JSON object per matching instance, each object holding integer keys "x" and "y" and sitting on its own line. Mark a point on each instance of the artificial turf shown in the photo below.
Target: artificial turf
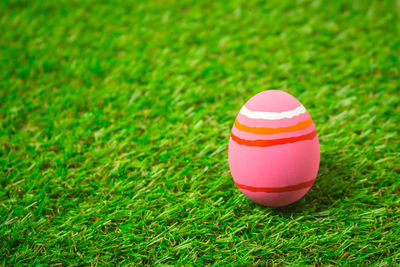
{"x": 115, "y": 120}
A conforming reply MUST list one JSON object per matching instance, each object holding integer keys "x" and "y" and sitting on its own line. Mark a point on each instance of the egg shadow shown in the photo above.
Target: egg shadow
{"x": 332, "y": 183}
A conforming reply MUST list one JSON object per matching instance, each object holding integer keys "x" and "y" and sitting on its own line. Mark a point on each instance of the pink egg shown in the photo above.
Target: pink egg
{"x": 274, "y": 149}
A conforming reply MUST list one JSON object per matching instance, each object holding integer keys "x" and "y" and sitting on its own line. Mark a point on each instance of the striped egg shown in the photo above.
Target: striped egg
{"x": 274, "y": 149}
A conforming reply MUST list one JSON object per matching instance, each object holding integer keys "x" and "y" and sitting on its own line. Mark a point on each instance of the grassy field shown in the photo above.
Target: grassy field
{"x": 115, "y": 120}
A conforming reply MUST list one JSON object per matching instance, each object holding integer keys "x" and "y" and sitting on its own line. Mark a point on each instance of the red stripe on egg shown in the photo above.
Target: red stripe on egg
{"x": 277, "y": 189}
{"x": 273, "y": 142}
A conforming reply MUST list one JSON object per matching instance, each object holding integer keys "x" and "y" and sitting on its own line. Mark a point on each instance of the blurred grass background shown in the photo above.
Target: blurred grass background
{"x": 115, "y": 118}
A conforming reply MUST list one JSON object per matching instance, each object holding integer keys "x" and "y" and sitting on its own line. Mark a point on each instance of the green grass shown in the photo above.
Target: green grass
{"x": 115, "y": 121}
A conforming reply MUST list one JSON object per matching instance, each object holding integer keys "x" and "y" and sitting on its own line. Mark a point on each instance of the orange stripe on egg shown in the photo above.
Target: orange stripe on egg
{"x": 281, "y": 189}
{"x": 273, "y": 142}
{"x": 265, "y": 130}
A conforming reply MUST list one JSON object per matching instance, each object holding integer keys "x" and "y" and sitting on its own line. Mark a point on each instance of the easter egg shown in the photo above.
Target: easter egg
{"x": 274, "y": 149}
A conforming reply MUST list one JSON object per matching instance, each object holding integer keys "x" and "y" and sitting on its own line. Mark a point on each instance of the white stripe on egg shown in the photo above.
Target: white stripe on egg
{"x": 272, "y": 115}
